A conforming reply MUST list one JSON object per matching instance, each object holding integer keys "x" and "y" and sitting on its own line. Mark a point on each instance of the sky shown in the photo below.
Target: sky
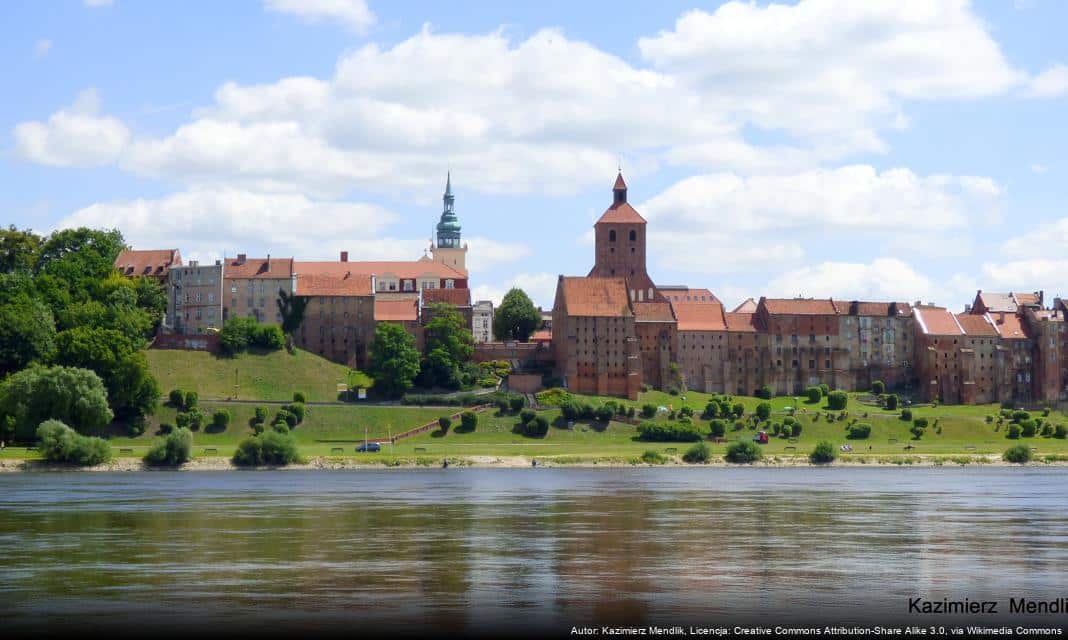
{"x": 881, "y": 150}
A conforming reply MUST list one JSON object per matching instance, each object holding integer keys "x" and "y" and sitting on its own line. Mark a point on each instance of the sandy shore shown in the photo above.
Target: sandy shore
{"x": 514, "y": 462}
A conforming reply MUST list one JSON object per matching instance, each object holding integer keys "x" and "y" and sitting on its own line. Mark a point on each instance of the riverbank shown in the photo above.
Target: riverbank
{"x": 516, "y": 462}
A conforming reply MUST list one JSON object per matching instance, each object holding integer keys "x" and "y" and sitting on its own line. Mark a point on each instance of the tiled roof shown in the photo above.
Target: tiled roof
{"x": 740, "y": 322}
{"x": 328, "y": 284}
{"x": 653, "y": 312}
{"x": 974, "y": 325}
{"x": 602, "y": 297}
{"x": 1000, "y": 302}
{"x": 148, "y": 262}
{"x": 542, "y": 335}
{"x": 258, "y": 268}
{"x": 396, "y": 310}
{"x": 937, "y": 321}
{"x": 408, "y": 269}
{"x": 620, "y": 184}
{"x": 1028, "y": 299}
{"x": 685, "y": 294}
{"x": 455, "y": 297}
{"x": 749, "y": 306}
{"x": 800, "y": 306}
{"x": 877, "y": 309}
{"x": 1010, "y": 326}
{"x": 621, "y": 212}
{"x": 697, "y": 316}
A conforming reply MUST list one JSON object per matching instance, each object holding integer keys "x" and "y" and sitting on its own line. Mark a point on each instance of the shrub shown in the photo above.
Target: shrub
{"x": 1020, "y": 416}
{"x": 824, "y": 453}
{"x": 468, "y": 420}
{"x": 906, "y": 414}
{"x": 795, "y": 430}
{"x": 171, "y": 451}
{"x": 176, "y": 398}
{"x": 630, "y": 412}
{"x": 738, "y": 409}
{"x": 1045, "y": 411}
{"x": 298, "y": 410}
{"x": 280, "y": 427}
{"x": 1047, "y": 430}
{"x": 648, "y": 410}
{"x": 604, "y": 413}
{"x": 502, "y": 404}
{"x": 652, "y": 431}
{"x": 553, "y": 397}
{"x": 298, "y": 396}
{"x": 1018, "y": 454}
{"x": 537, "y": 427}
{"x": 221, "y": 418}
{"x": 653, "y": 457}
{"x": 136, "y": 426}
{"x": 257, "y": 427}
{"x": 260, "y": 415}
{"x": 700, "y": 452}
{"x": 891, "y": 402}
{"x": 526, "y": 415}
{"x": 878, "y": 387}
{"x": 1027, "y": 428}
{"x": 719, "y": 428}
{"x": 268, "y": 336}
{"x": 917, "y": 431}
{"x": 444, "y": 422}
{"x": 1060, "y": 431}
{"x": 836, "y": 400}
{"x": 569, "y": 410}
{"x": 764, "y": 392}
{"x": 686, "y": 411}
{"x": 920, "y": 422}
{"x": 270, "y": 448}
{"x": 192, "y": 419}
{"x": 789, "y": 421}
{"x": 1013, "y": 432}
{"x": 190, "y": 400}
{"x": 824, "y": 389}
{"x": 166, "y": 427}
{"x": 859, "y": 431}
{"x": 989, "y": 419}
{"x": 763, "y": 410}
{"x": 813, "y": 394}
{"x": 743, "y": 452}
{"x": 284, "y": 416}
{"x": 59, "y": 443}
{"x": 516, "y": 403}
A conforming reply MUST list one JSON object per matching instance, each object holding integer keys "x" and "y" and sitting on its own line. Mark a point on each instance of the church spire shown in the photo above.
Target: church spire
{"x": 619, "y": 190}
{"x": 448, "y": 229}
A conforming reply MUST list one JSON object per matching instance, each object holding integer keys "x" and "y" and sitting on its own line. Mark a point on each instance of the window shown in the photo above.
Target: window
{"x": 612, "y": 235}
{"x": 408, "y": 285}
{"x": 633, "y": 236}
{"x": 450, "y": 284}
{"x": 211, "y": 297}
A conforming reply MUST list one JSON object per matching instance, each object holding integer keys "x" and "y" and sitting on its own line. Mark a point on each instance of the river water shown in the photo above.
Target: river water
{"x": 473, "y": 550}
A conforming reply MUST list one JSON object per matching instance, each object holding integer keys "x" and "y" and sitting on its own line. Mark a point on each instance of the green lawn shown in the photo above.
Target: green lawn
{"x": 248, "y": 376}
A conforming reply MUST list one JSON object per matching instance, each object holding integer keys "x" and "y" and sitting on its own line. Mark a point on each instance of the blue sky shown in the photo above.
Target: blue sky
{"x": 897, "y": 150}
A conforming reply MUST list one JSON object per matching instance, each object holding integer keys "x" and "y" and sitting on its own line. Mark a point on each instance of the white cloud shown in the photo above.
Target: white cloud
{"x": 1039, "y": 168}
{"x": 42, "y": 47}
{"x": 712, "y": 253}
{"x": 1047, "y": 239}
{"x": 1050, "y": 83}
{"x": 354, "y": 14}
{"x": 75, "y": 136}
{"x": 1030, "y": 274}
{"x": 485, "y": 254}
{"x": 540, "y": 287}
{"x": 852, "y": 197}
{"x": 216, "y": 221}
{"x": 881, "y": 279}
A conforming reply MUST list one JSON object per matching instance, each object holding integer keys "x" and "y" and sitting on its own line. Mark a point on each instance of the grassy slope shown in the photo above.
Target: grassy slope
{"x": 260, "y": 376}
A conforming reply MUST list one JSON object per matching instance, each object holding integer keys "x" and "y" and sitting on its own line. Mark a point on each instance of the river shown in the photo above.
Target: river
{"x": 473, "y": 550}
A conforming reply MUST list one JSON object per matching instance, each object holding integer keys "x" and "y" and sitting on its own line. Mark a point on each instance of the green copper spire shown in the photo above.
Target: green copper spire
{"x": 448, "y": 229}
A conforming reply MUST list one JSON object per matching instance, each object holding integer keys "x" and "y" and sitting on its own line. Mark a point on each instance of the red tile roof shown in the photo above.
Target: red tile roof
{"x": 974, "y": 325}
{"x": 937, "y": 321}
{"x": 328, "y": 284}
{"x": 542, "y": 335}
{"x": 741, "y": 322}
{"x": 455, "y": 297}
{"x": 877, "y": 309}
{"x": 396, "y": 310}
{"x": 653, "y": 312}
{"x": 1010, "y": 326}
{"x": 147, "y": 262}
{"x": 697, "y": 316}
{"x": 1028, "y": 299}
{"x": 995, "y": 302}
{"x": 258, "y": 268}
{"x": 621, "y": 212}
{"x": 408, "y": 269}
{"x": 749, "y": 306}
{"x": 685, "y": 294}
{"x": 620, "y": 184}
{"x": 600, "y": 297}
{"x": 800, "y": 306}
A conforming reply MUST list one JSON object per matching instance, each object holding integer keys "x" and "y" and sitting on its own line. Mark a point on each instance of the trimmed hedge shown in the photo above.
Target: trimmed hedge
{"x": 656, "y": 432}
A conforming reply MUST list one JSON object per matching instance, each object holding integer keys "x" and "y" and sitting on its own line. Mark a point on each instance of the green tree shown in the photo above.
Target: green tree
{"x": 291, "y": 307}
{"x": 878, "y": 387}
{"x": 173, "y": 450}
{"x": 763, "y": 410}
{"x": 18, "y": 250}
{"x": 74, "y": 396}
{"x": 516, "y": 318}
{"x": 837, "y": 400}
{"x": 823, "y": 453}
{"x": 59, "y": 443}
{"x": 743, "y": 452}
{"x": 132, "y": 390}
{"x": 27, "y": 334}
{"x": 394, "y": 359}
{"x": 80, "y": 258}
{"x": 449, "y": 345}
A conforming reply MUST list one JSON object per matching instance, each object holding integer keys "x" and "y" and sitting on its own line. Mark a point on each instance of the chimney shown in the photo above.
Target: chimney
{"x": 374, "y": 284}
{"x": 241, "y": 258}
{"x": 268, "y": 262}
{"x": 344, "y": 256}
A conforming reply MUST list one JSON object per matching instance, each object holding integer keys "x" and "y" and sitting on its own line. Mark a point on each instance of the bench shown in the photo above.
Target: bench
{"x": 125, "y": 450}
{"x": 420, "y": 449}
{"x": 209, "y": 450}
{"x": 969, "y": 447}
{"x": 794, "y": 449}
{"x": 792, "y": 441}
{"x": 337, "y": 450}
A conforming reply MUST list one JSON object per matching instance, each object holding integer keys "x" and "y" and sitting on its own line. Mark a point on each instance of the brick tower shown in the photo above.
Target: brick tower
{"x": 620, "y": 246}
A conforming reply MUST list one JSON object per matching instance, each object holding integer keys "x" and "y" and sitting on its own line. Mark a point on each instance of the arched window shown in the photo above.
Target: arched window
{"x": 633, "y": 235}
{"x": 612, "y": 235}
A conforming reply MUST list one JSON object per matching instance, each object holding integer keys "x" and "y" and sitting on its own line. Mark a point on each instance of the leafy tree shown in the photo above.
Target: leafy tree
{"x": 190, "y": 400}
{"x": 27, "y": 334}
{"x": 917, "y": 432}
{"x": 269, "y": 336}
{"x": 763, "y": 410}
{"x": 269, "y": 448}
{"x": 176, "y": 398}
{"x": 468, "y": 421}
{"x": 823, "y": 453}
{"x": 878, "y": 387}
{"x": 1019, "y": 454}
{"x": 74, "y": 396}
{"x": 744, "y": 452}
{"x": 18, "y": 250}
{"x": 813, "y": 394}
{"x": 173, "y": 450}
{"x": 236, "y": 334}
{"x": 259, "y": 415}
{"x": 836, "y": 400}
{"x": 1013, "y": 432}
{"x": 300, "y": 396}
{"x": 60, "y": 443}
{"x": 291, "y": 307}
{"x": 80, "y": 258}
{"x": 444, "y": 422}
{"x": 359, "y": 380}
{"x": 699, "y": 452}
{"x": 517, "y": 317}
{"x": 221, "y": 418}
{"x": 440, "y": 369}
{"x": 449, "y": 345}
{"x": 719, "y": 428}
{"x": 131, "y": 388}
{"x": 394, "y": 359}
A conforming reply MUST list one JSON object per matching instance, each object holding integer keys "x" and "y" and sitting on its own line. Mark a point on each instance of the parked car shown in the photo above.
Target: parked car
{"x": 369, "y": 446}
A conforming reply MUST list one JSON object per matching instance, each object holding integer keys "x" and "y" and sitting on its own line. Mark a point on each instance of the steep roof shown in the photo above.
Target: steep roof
{"x": 1010, "y": 326}
{"x": 410, "y": 269}
{"x": 800, "y": 306}
{"x": 876, "y": 309}
{"x": 686, "y": 294}
{"x": 1028, "y": 299}
{"x": 698, "y": 316}
{"x": 258, "y": 268}
{"x": 937, "y": 321}
{"x": 599, "y": 297}
{"x": 396, "y": 310}
{"x": 740, "y": 322}
{"x": 455, "y": 297}
{"x": 621, "y": 212}
{"x": 749, "y": 306}
{"x": 1000, "y": 302}
{"x": 328, "y": 284}
{"x": 147, "y": 262}
{"x": 974, "y": 325}
{"x": 653, "y": 312}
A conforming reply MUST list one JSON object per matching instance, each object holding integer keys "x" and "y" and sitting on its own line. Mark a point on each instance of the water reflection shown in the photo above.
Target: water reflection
{"x": 466, "y": 549}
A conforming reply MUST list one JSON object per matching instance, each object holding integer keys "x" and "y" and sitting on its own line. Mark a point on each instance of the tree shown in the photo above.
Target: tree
{"x": 237, "y": 334}
{"x": 836, "y": 400}
{"x": 18, "y": 250}
{"x": 468, "y": 421}
{"x": 814, "y": 395}
{"x": 878, "y": 387}
{"x": 763, "y": 410}
{"x": 74, "y": 396}
{"x": 80, "y": 258}
{"x": 516, "y": 318}
{"x": 1019, "y": 454}
{"x": 394, "y": 359}
{"x": 132, "y": 390}
{"x": 59, "y": 443}
{"x": 449, "y": 345}
{"x": 444, "y": 422}
{"x": 700, "y": 452}
{"x": 27, "y": 334}
{"x": 718, "y": 428}
{"x": 291, "y": 307}
{"x": 271, "y": 448}
{"x": 823, "y": 453}
{"x": 891, "y": 401}
{"x": 173, "y": 450}
{"x": 744, "y": 452}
